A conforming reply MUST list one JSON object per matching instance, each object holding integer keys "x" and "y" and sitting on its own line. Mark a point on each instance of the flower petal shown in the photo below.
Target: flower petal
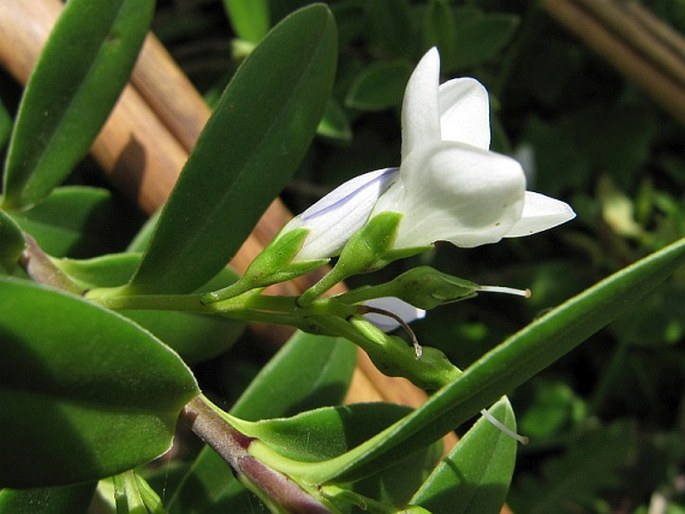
{"x": 540, "y": 213}
{"x": 339, "y": 214}
{"x": 406, "y": 311}
{"x": 465, "y": 112}
{"x": 455, "y": 192}
{"x": 420, "y": 116}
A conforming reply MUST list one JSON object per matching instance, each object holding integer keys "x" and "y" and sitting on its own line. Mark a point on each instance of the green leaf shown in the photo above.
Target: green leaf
{"x": 323, "y": 433}
{"x": 285, "y": 387}
{"x": 391, "y": 26}
{"x": 502, "y": 369}
{"x": 83, "y": 67}
{"x": 248, "y": 151}
{"x": 11, "y": 242}
{"x": 439, "y": 29}
{"x": 480, "y": 38}
{"x": 379, "y": 86}
{"x": 249, "y": 18}
{"x": 142, "y": 238}
{"x": 329, "y": 431}
{"x": 195, "y": 337}
{"x": 555, "y": 410}
{"x": 104, "y": 271}
{"x": 47, "y": 500}
{"x": 334, "y": 124}
{"x": 572, "y": 481}
{"x": 5, "y": 124}
{"x": 85, "y": 393}
{"x": 73, "y": 220}
{"x": 475, "y": 476}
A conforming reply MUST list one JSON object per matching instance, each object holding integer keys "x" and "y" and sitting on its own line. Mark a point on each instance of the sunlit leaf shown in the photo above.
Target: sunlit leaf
{"x": 85, "y": 393}
{"x": 285, "y": 387}
{"x": 248, "y": 151}
{"x": 81, "y": 71}
{"x": 474, "y": 477}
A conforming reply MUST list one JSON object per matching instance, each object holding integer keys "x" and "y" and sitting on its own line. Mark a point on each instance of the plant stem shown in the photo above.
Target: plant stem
{"x": 40, "y": 268}
{"x": 275, "y": 488}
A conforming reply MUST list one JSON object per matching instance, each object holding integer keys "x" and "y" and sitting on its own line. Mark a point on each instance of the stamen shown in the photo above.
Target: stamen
{"x": 407, "y": 329}
{"x": 505, "y": 430}
{"x": 526, "y": 293}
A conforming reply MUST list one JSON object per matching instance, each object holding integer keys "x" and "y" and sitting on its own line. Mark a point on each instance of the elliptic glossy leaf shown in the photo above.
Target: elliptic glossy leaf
{"x": 77, "y": 221}
{"x": 474, "y": 478}
{"x": 85, "y": 393}
{"x": 248, "y": 151}
{"x": 504, "y": 368}
{"x": 83, "y": 67}
{"x": 11, "y": 243}
{"x": 47, "y": 500}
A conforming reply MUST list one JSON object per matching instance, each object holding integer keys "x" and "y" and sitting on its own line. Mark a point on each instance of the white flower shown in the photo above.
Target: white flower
{"x": 451, "y": 187}
{"x": 342, "y": 212}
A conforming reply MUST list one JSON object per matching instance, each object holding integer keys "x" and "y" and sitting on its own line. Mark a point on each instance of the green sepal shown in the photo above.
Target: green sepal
{"x": 273, "y": 265}
{"x": 11, "y": 242}
{"x": 369, "y": 249}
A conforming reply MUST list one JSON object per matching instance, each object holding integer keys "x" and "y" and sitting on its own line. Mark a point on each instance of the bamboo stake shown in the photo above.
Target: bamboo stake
{"x": 639, "y": 45}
